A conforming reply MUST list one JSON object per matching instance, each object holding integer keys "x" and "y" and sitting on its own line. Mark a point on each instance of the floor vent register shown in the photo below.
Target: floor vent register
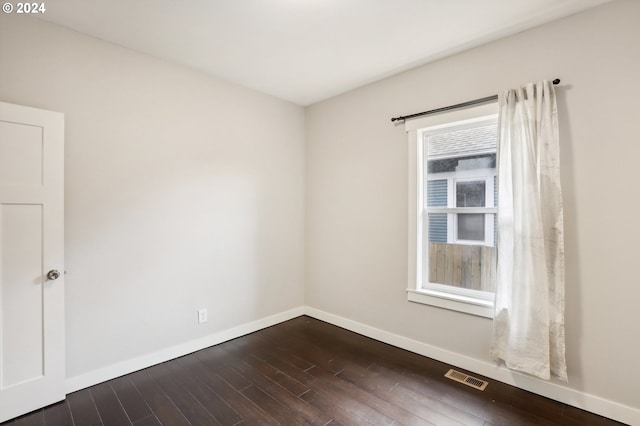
{"x": 474, "y": 382}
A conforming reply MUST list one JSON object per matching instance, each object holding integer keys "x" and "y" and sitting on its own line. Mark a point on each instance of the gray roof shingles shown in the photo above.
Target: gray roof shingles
{"x": 462, "y": 143}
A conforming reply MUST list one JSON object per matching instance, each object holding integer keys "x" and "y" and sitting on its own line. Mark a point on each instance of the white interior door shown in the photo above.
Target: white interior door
{"x": 32, "y": 360}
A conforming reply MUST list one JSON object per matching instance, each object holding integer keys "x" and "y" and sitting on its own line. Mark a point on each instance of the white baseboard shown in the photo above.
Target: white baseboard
{"x": 551, "y": 390}
{"x": 100, "y": 375}
{"x": 594, "y": 404}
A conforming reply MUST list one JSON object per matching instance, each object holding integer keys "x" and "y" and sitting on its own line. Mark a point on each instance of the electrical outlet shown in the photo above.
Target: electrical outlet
{"x": 202, "y": 316}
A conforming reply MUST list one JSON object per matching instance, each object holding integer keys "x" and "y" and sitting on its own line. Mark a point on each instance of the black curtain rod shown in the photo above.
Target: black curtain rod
{"x": 456, "y": 106}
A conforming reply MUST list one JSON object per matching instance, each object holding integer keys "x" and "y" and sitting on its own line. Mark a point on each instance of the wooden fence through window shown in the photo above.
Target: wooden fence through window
{"x": 464, "y": 266}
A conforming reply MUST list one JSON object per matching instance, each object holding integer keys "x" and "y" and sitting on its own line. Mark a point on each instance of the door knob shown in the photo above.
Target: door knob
{"x": 53, "y": 274}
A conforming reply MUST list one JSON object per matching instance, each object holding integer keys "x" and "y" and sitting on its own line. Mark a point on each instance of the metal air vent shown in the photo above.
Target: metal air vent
{"x": 474, "y": 382}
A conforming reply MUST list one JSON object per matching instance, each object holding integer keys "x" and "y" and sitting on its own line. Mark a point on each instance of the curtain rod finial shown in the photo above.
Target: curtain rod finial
{"x": 556, "y": 81}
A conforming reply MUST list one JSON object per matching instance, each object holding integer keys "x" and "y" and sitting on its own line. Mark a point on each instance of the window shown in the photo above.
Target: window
{"x": 454, "y": 198}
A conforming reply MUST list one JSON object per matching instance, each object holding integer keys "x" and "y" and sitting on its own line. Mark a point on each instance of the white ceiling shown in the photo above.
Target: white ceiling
{"x": 304, "y": 51}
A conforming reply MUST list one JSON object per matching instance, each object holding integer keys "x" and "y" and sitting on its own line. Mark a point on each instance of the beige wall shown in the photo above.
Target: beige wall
{"x": 182, "y": 192}
{"x": 357, "y": 192}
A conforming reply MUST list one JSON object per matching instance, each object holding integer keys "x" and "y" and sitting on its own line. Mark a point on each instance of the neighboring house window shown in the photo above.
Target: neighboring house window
{"x": 455, "y": 198}
{"x": 461, "y": 171}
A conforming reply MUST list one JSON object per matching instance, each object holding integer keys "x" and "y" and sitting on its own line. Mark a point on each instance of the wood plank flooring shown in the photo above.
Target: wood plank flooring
{"x": 302, "y": 372}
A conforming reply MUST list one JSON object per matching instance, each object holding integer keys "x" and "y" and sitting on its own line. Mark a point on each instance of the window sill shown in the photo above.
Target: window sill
{"x": 468, "y": 305}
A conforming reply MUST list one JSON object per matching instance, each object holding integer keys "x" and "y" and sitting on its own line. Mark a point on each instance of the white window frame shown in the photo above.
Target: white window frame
{"x": 473, "y": 302}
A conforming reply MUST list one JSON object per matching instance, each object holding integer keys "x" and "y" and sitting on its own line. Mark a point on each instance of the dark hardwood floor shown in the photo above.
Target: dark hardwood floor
{"x": 300, "y": 372}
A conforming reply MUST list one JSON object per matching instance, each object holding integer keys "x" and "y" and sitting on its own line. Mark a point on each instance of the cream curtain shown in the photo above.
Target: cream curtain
{"x": 528, "y": 327}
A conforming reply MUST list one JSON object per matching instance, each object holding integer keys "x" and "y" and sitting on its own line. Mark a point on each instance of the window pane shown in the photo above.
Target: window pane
{"x": 459, "y": 169}
{"x": 470, "y": 194}
{"x": 471, "y": 227}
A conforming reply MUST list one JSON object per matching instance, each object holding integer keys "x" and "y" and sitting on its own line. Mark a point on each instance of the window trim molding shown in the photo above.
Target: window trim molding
{"x": 474, "y": 303}
{"x": 452, "y": 302}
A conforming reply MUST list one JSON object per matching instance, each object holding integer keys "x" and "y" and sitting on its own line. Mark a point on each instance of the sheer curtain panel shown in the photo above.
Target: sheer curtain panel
{"x": 528, "y": 326}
